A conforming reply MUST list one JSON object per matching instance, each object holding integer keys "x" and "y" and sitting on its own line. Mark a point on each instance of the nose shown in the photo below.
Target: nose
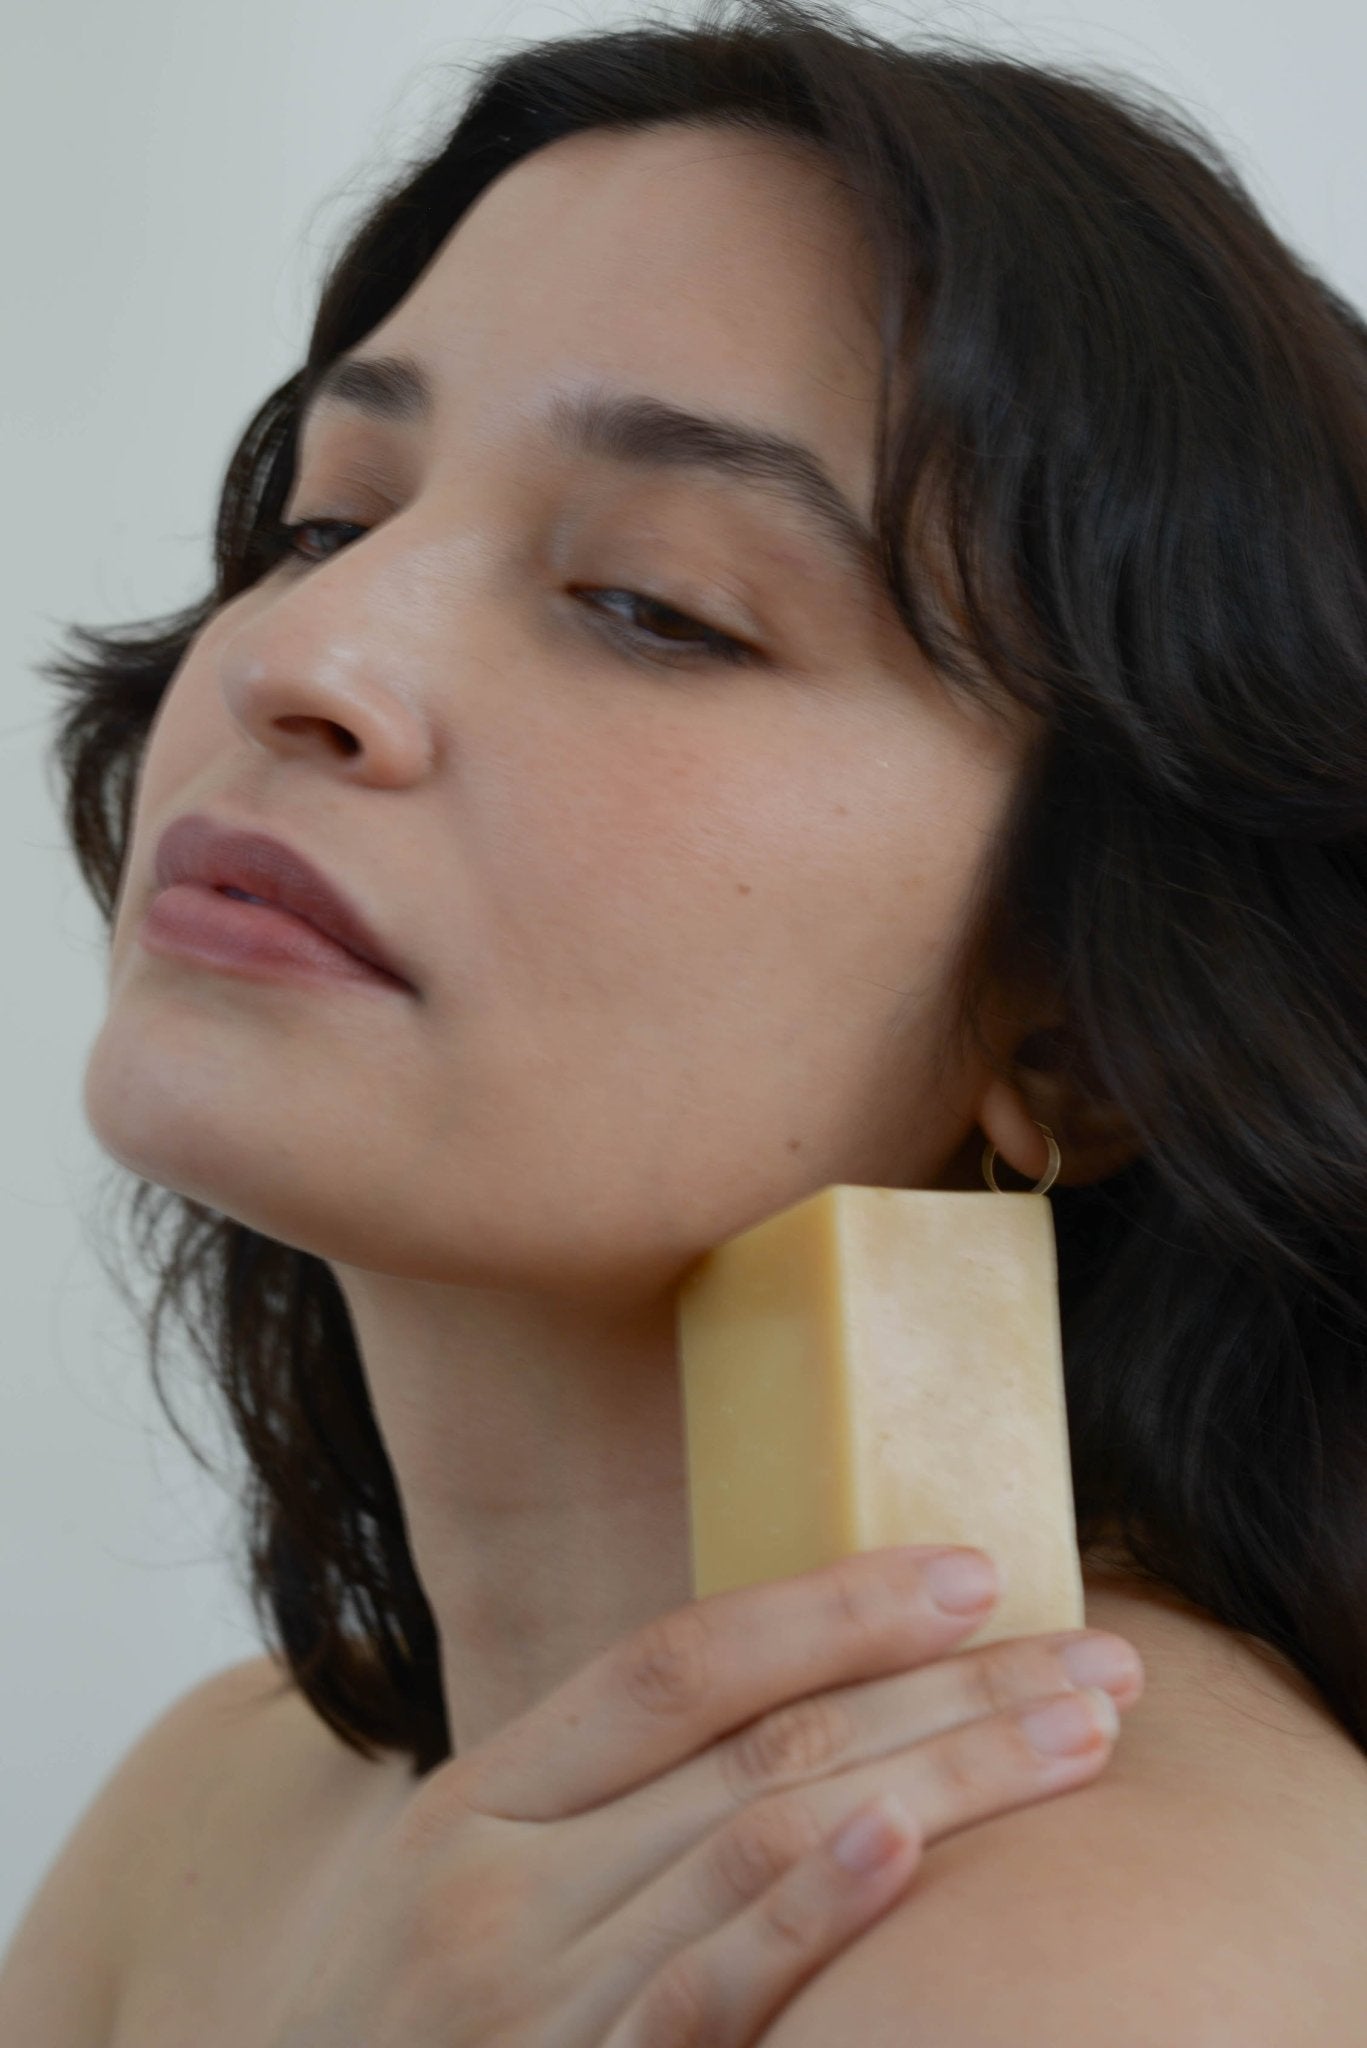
{"x": 310, "y": 704}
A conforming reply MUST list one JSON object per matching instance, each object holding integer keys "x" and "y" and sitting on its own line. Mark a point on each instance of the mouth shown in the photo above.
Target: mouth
{"x": 257, "y": 869}
{"x": 227, "y": 928}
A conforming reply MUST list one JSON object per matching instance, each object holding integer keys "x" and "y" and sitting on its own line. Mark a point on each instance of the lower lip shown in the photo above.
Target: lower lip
{"x": 194, "y": 922}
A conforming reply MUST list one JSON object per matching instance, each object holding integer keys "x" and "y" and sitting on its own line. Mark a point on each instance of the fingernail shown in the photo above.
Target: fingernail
{"x": 1071, "y": 1723}
{"x": 1101, "y": 1660}
{"x": 961, "y": 1581}
{"x": 873, "y": 1835}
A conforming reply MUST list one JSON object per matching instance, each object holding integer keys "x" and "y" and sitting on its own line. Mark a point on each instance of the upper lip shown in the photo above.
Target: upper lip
{"x": 196, "y": 848}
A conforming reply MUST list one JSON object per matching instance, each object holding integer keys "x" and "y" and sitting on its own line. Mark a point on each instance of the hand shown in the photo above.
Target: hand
{"x": 645, "y": 1856}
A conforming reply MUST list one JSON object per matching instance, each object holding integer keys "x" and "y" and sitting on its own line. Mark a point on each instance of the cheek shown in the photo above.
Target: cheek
{"x": 809, "y": 872}
{"x": 831, "y": 854}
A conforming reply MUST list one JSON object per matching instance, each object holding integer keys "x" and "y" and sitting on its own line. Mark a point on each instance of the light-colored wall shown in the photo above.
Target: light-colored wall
{"x": 173, "y": 178}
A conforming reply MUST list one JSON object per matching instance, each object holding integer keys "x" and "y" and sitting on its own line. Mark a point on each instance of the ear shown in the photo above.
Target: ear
{"x": 1094, "y": 1138}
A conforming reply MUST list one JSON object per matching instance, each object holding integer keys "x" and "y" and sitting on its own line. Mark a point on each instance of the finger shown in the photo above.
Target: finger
{"x": 971, "y": 1773}
{"x": 613, "y": 1853}
{"x": 667, "y": 1691}
{"x": 830, "y": 1732}
{"x": 968, "y": 1775}
{"x": 729, "y": 1986}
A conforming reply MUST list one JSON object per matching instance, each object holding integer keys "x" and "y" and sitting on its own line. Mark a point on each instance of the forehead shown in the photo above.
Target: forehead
{"x": 709, "y": 266}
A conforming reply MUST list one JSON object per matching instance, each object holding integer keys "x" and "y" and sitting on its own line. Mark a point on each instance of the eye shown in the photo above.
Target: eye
{"x": 282, "y": 543}
{"x": 708, "y": 643}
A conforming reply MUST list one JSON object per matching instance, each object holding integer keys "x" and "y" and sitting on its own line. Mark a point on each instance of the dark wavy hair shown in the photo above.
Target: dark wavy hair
{"x": 1132, "y": 434}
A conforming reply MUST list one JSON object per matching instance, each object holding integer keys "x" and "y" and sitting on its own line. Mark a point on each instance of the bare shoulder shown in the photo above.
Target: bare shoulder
{"x": 236, "y": 1731}
{"x": 261, "y": 1809}
{"x": 191, "y": 1876}
{"x": 62, "y": 1973}
{"x": 1211, "y": 1885}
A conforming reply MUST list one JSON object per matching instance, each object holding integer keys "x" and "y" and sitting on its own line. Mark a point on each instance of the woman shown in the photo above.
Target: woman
{"x": 952, "y": 734}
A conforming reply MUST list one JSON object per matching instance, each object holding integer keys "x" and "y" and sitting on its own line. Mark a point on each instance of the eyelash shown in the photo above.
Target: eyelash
{"x": 280, "y": 543}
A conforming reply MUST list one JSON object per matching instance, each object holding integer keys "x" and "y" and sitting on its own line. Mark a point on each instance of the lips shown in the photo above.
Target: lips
{"x": 195, "y": 848}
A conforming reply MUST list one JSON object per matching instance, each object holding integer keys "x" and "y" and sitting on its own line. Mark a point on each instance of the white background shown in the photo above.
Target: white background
{"x": 174, "y": 178}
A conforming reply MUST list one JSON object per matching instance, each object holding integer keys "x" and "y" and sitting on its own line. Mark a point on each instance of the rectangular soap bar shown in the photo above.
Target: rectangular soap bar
{"x": 883, "y": 1365}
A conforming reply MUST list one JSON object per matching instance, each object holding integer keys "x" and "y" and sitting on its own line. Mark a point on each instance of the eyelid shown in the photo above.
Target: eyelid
{"x": 279, "y": 538}
{"x": 723, "y": 594}
{"x": 701, "y": 604}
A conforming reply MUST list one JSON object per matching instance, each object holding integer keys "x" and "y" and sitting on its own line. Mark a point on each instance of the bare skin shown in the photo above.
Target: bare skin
{"x": 680, "y": 935}
{"x": 263, "y": 1821}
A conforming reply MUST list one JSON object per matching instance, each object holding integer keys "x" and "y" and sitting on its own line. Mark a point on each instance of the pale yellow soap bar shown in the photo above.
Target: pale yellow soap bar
{"x": 883, "y": 1365}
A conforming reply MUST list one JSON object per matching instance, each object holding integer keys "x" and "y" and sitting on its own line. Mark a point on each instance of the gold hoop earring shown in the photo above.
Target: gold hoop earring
{"x": 1041, "y": 1187}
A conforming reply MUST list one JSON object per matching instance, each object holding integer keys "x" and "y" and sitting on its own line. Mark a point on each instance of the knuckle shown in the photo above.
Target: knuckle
{"x": 448, "y": 1964}
{"x": 862, "y": 1603}
{"x": 1007, "y": 1676}
{"x": 1002, "y": 1680}
{"x": 987, "y": 1684}
{"x": 963, "y": 1772}
{"x": 667, "y": 1668}
{"x": 424, "y": 1826}
{"x": 750, "y": 1854}
{"x": 793, "y": 1922}
{"x": 428, "y": 1925}
{"x": 678, "y": 2007}
{"x": 796, "y": 1740}
{"x": 470, "y": 1912}
{"x": 456, "y": 1915}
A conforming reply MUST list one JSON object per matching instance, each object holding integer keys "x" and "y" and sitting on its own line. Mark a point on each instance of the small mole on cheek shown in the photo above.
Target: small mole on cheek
{"x": 742, "y": 888}
{"x": 842, "y": 810}
{"x": 794, "y": 1144}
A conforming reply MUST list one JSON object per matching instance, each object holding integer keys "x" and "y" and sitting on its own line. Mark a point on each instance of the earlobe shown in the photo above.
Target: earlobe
{"x": 1093, "y": 1141}
{"x": 1014, "y": 1128}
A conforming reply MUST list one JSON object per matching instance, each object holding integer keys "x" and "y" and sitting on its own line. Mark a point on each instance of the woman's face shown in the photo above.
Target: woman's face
{"x": 679, "y": 929}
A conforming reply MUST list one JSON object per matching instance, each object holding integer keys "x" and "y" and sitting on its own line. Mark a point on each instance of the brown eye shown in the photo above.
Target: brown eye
{"x": 282, "y": 541}
{"x": 703, "y": 640}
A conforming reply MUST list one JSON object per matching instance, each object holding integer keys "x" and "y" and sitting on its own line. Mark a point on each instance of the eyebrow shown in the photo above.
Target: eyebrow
{"x": 635, "y": 429}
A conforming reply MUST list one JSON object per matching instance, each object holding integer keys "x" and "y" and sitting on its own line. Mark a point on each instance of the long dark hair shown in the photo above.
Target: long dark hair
{"x": 1134, "y": 436}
